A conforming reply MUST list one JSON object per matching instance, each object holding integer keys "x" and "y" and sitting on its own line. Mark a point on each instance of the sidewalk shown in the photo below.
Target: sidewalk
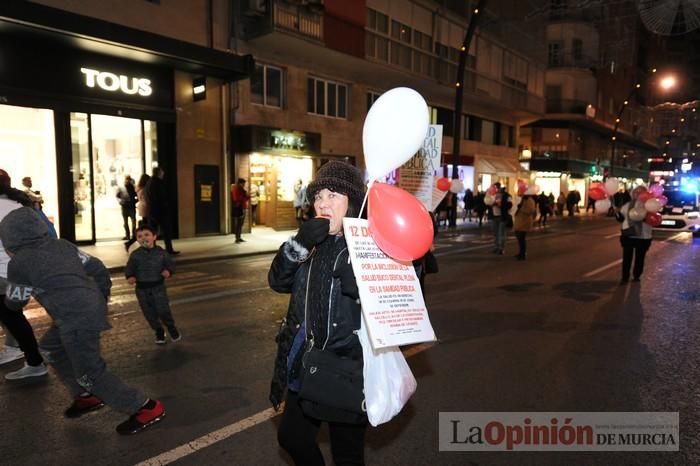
{"x": 262, "y": 240}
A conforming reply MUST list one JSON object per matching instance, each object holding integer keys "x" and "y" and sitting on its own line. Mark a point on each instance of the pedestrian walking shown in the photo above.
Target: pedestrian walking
{"x": 19, "y": 335}
{"x": 148, "y": 267}
{"x": 572, "y": 201}
{"x": 141, "y": 205}
{"x": 158, "y": 202}
{"x": 544, "y": 208}
{"x": 468, "y": 204}
{"x": 126, "y": 194}
{"x": 239, "y": 200}
{"x": 480, "y": 207}
{"x": 299, "y": 200}
{"x": 501, "y": 218}
{"x": 254, "y": 201}
{"x": 590, "y": 205}
{"x": 522, "y": 223}
{"x": 635, "y": 237}
{"x": 561, "y": 202}
{"x": 74, "y": 288}
{"x": 324, "y": 314}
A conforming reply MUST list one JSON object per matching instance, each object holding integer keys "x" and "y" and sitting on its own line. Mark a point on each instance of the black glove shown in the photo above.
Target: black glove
{"x": 313, "y": 232}
{"x": 348, "y": 283}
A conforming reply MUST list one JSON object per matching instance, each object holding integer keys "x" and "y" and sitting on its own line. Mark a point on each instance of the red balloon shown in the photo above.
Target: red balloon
{"x": 653, "y": 219}
{"x": 444, "y": 184}
{"x": 597, "y": 194}
{"x": 399, "y": 223}
{"x": 492, "y": 190}
{"x": 597, "y": 185}
{"x": 645, "y": 196}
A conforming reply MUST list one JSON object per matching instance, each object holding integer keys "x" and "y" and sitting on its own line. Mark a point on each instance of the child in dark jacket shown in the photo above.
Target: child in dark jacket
{"x": 74, "y": 288}
{"x": 148, "y": 267}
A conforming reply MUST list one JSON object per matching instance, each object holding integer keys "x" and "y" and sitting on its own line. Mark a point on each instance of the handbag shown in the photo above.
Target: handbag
{"x": 331, "y": 380}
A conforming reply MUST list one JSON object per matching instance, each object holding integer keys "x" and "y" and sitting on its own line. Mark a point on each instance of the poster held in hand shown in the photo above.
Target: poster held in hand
{"x": 392, "y": 302}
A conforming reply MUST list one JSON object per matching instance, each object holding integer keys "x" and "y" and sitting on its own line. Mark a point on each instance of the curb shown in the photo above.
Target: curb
{"x": 197, "y": 260}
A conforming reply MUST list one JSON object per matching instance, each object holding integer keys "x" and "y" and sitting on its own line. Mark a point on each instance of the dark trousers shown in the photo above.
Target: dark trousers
{"x": 164, "y": 228}
{"x": 75, "y": 355}
{"x": 238, "y": 224}
{"x": 297, "y": 436}
{"x": 18, "y": 326}
{"x": 637, "y": 248}
{"x": 522, "y": 245}
{"x": 155, "y": 306}
{"x": 129, "y": 213}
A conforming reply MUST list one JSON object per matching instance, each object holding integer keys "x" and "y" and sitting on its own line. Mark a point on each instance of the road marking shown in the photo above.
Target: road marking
{"x": 603, "y": 268}
{"x": 230, "y": 430}
{"x": 614, "y": 235}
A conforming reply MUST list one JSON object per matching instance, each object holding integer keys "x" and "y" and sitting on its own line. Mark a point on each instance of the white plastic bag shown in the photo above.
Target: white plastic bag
{"x": 389, "y": 382}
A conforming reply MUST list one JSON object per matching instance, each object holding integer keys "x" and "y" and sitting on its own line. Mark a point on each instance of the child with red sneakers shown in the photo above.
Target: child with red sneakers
{"x": 147, "y": 268}
{"x": 74, "y": 288}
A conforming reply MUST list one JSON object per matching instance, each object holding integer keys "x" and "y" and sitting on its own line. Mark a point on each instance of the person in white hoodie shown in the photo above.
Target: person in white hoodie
{"x": 19, "y": 336}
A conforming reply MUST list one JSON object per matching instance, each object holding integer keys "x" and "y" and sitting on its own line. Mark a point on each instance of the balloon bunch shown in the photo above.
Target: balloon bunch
{"x": 648, "y": 205}
{"x": 490, "y": 196}
{"x": 394, "y": 130}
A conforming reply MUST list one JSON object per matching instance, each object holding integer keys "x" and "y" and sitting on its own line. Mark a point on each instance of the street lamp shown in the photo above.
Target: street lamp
{"x": 667, "y": 82}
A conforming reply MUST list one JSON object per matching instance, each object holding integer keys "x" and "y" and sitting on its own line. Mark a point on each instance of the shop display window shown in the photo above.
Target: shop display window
{"x": 28, "y": 148}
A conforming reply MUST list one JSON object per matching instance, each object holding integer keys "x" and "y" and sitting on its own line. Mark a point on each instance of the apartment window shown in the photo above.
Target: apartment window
{"x": 465, "y": 126}
{"x": 441, "y": 51}
{"x": 400, "y": 32}
{"x": 488, "y": 132}
{"x": 327, "y": 98}
{"x": 577, "y": 49}
{"x": 267, "y": 86}
{"x": 432, "y": 111}
{"x": 475, "y": 128}
{"x": 422, "y": 41}
{"x": 377, "y": 21}
{"x": 371, "y": 99}
{"x": 554, "y": 53}
{"x": 445, "y": 118}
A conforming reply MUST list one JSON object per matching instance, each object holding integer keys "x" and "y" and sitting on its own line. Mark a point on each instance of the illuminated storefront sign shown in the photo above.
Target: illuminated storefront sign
{"x": 112, "y": 82}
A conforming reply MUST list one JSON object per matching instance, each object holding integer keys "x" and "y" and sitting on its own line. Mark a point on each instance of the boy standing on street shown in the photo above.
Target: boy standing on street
{"x": 74, "y": 288}
{"x": 148, "y": 267}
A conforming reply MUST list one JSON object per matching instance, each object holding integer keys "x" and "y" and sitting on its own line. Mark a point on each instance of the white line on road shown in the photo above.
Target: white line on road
{"x": 211, "y": 438}
{"x": 603, "y": 268}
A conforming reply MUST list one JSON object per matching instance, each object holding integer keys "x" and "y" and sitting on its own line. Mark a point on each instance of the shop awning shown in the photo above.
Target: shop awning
{"x": 95, "y": 35}
{"x": 497, "y": 165}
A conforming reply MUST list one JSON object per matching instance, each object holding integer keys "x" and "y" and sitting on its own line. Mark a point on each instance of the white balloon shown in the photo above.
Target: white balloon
{"x": 636, "y": 214}
{"x": 652, "y": 205}
{"x": 612, "y": 185}
{"x": 394, "y": 130}
{"x": 489, "y": 199}
{"x": 602, "y": 206}
{"x": 456, "y": 186}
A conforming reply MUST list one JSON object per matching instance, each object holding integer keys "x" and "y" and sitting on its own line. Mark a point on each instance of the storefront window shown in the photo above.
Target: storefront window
{"x": 28, "y": 148}
{"x": 82, "y": 193}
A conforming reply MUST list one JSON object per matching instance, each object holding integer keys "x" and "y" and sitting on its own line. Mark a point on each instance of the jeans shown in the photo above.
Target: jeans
{"x": 75, "y": 355}
{"x": 129, "y": 212}
{"x": 499, "y": 232}
{"x": 522, "y": 245}
{"x": 20, "y": 330}
{"x": 297, "y": 436}
{"x": 155, "y": 306}
{"x": 638, "y": 248}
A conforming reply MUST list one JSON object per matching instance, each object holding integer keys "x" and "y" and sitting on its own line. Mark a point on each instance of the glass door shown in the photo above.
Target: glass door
{"x": 82, "y": 176}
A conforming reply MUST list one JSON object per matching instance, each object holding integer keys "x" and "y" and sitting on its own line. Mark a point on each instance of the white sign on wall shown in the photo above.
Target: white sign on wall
{"x": 392, "y": 301}
{"x": 117, "y": 83}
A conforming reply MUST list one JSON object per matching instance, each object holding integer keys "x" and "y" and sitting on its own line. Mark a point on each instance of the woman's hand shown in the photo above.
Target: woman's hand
{"x": 348, "y": 283}
{"x": 313, "y": 232}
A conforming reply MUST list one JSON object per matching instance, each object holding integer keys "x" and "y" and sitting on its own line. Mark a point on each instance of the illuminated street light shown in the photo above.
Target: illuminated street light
{"x": 668, "y": 82}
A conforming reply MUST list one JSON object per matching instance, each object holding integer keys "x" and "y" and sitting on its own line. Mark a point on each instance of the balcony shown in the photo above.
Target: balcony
{"x": 299, "y": 19}
{"x": 566, "y": 106}
{"x": 570, "y": 60}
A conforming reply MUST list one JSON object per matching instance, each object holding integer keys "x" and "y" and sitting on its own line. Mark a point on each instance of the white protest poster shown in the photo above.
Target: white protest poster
{"x": 392, "y": 302}
{"x": 417, "y": 175}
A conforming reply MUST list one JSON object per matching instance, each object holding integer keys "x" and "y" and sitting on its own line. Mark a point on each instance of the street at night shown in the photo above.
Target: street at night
{"x": 553, "y": 333}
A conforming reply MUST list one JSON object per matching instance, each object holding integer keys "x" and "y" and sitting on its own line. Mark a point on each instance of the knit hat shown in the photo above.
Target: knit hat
{"x": 338, "y": 177}
{"x": 4, "y": 178}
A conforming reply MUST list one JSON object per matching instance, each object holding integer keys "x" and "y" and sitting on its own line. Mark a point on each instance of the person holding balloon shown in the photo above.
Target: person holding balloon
{"x": 636, "y": 233}
{"x": 324, "y": 313}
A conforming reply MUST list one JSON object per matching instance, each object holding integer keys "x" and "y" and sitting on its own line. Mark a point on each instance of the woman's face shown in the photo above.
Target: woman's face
{"x": 332, "y": 206}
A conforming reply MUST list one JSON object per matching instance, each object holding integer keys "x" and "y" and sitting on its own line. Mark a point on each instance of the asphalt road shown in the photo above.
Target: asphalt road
{"x": 553, "y": 333}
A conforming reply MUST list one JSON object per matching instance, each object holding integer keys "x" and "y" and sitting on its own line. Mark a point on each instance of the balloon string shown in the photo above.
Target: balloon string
{"x": 364, "y": 201}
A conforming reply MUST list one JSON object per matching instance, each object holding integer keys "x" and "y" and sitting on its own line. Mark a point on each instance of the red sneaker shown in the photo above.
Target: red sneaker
{"x": 149, "y": 414}
{"x": 83, "y": 405}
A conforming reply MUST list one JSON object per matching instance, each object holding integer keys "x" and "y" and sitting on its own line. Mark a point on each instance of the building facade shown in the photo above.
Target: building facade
{"x": 93, "y": 91}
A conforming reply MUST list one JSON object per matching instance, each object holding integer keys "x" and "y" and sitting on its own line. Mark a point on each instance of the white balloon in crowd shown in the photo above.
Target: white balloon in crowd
{"x": 394, "y": 130}
{"x": 456, "y": 186}
{"x": 612, "y": 185}
{"x": 652, "y": 205}
{"x": 602, "y": 206}
{"x": 637, "y": 214}
{"x": 489, "y": 199}
{"x": 532, "y": 190}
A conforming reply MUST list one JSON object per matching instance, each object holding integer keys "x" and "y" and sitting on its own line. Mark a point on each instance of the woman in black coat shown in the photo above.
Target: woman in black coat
{"x": 324, "y": 313}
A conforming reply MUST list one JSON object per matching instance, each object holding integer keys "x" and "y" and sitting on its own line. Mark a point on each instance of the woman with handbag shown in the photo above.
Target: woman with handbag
{"x": 635, "y": 236}
{"x": 524, "y": 217}
{"x": 319, "y": 356}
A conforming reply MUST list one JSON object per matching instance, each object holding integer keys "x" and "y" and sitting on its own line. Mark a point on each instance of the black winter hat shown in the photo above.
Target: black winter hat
{"x": 338, "y": 177}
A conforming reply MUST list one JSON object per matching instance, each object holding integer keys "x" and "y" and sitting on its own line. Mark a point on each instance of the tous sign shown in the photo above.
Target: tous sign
{"x": 112, "y": 82}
